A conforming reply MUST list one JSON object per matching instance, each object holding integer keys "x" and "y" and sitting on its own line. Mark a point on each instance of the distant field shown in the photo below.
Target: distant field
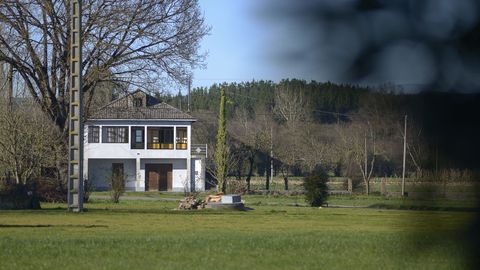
{"x": 276, "y": 235}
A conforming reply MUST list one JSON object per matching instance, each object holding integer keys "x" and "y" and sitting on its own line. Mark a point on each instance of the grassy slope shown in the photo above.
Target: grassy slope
{"x": 150, "y": 235}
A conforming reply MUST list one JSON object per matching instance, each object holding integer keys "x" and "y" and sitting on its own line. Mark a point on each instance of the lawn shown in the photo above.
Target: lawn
{"x": 275, "y": 235}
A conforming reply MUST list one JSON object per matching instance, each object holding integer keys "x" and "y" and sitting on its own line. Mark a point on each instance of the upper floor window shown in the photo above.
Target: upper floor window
{"x": 181, "y": 139}
{"x": 138, "y": 138}
{"x": 137, "y": 102}
{"x": 114, "y": 134}
{"x": 93, "y": 134}
{"x": 160, "y": 137}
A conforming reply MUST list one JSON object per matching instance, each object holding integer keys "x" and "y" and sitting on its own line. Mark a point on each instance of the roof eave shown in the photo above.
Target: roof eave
{"x": 144, "y": 119}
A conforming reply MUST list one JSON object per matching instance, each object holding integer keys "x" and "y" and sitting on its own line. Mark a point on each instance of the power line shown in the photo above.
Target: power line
{"x": 336, "y": 113}
{"x": 217, "y": 79}
{"x": 236, "y": 94}
{"x": 312, "y": 111}
{"x": 267, "y": 114}
{"x": 272, "y": 114}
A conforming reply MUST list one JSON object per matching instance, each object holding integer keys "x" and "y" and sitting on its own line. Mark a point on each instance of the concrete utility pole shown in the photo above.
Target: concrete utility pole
{"x": 75, "y": 144}
{"x": 404, "y": 155}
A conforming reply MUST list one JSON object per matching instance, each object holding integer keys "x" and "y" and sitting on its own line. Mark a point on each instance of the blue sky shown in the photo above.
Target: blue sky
{"x": 280, "y": 39}
{"x": 233, "y": 44}
{"x": 240, "y": 46}
{"x": 246, "y": 44}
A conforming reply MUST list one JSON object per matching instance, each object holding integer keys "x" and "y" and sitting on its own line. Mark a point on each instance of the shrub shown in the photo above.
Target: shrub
{"x": 315, "y": 185}
{"x": 87, "y": 189}
{"x": 117, "y": 186}
{"x": 18, "y": 196}
{"x": 50, "y": 190}
{"x": 236, "y": 187}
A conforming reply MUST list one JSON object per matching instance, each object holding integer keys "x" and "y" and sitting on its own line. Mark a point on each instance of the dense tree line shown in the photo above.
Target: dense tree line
{"x": 353, "y": 131}
{"x": 257, "y": 96}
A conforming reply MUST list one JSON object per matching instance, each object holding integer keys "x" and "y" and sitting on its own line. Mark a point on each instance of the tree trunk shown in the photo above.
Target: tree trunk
{"x": 224, "y": 186}
{"x": 2, "y": 77}
{"x": 6, "y": 81}
{"x": 285, "y": 171}
{"x": 268, "y": 173}
{"x": 267, "y": 180}
{"x": 62, "y": 168}
{"x": 10, "y": 85}
{"x": 238, "y": 175}
{"x": 250, "y": 172}
{"x": 239, "y": 170}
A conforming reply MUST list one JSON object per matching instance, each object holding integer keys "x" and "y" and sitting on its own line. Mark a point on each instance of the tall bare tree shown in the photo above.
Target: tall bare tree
{"x": 134, "y": 41}
{"x": 290, "y": 106}
{"x": 28, "y": 140}
{"x": 6, "y": 77}
{"x": 318, "y": 145}
{"x": 249, "y": 132}
{"x": 358, "y": 143}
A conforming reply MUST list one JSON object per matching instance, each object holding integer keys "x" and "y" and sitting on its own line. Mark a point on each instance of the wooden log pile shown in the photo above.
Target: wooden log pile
{"x": 191, "y": 203}
{"x": 214, "y": 198}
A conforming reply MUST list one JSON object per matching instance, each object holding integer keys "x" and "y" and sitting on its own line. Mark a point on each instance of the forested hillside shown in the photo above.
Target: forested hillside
{"x": 353, "y": 131}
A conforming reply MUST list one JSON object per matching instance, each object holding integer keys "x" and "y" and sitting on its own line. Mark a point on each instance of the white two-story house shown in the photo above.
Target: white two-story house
{"x": 146, "y": 141}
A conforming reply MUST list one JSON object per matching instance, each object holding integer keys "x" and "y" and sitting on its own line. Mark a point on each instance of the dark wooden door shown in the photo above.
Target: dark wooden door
{"x": 165, "y": 177}
{"x": 153, "y": 176}
{"x": 158, "y": 177}
{"x": 169, "y": 177}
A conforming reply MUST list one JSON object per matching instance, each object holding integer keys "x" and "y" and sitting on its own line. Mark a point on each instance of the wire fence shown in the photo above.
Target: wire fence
{"x": 386, "y": 186}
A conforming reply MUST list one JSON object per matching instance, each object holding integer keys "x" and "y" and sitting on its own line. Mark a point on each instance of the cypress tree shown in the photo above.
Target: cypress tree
{"x": 221, "y": 152}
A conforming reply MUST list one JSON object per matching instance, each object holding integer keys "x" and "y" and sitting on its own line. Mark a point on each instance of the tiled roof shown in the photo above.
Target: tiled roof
{"x": 151, "y": 108}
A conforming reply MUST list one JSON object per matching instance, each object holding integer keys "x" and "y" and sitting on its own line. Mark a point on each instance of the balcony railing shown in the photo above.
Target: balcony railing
{"x": 181, "y": 143}
{"x": 181, "y": 146}
{"x": 160, "y": 146}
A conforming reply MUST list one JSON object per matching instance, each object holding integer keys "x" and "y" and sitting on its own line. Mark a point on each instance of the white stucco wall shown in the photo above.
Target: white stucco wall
{"x": 100, "y": 171}
{"x": 198, "y": 174}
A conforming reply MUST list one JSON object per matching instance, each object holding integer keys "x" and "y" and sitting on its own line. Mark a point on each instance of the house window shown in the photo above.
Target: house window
{"x": 93, "y": 134}
{"x": 137, "y": 102}
{"x": 181, "y": 139}
{"x": 138, "y": 138}
{"x": 160, "y": 137}
{"x": 115, "y": 134}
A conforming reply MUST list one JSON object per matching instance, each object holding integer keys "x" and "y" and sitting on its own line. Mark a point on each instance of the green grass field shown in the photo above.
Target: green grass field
{"x": 275, "y": 235}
